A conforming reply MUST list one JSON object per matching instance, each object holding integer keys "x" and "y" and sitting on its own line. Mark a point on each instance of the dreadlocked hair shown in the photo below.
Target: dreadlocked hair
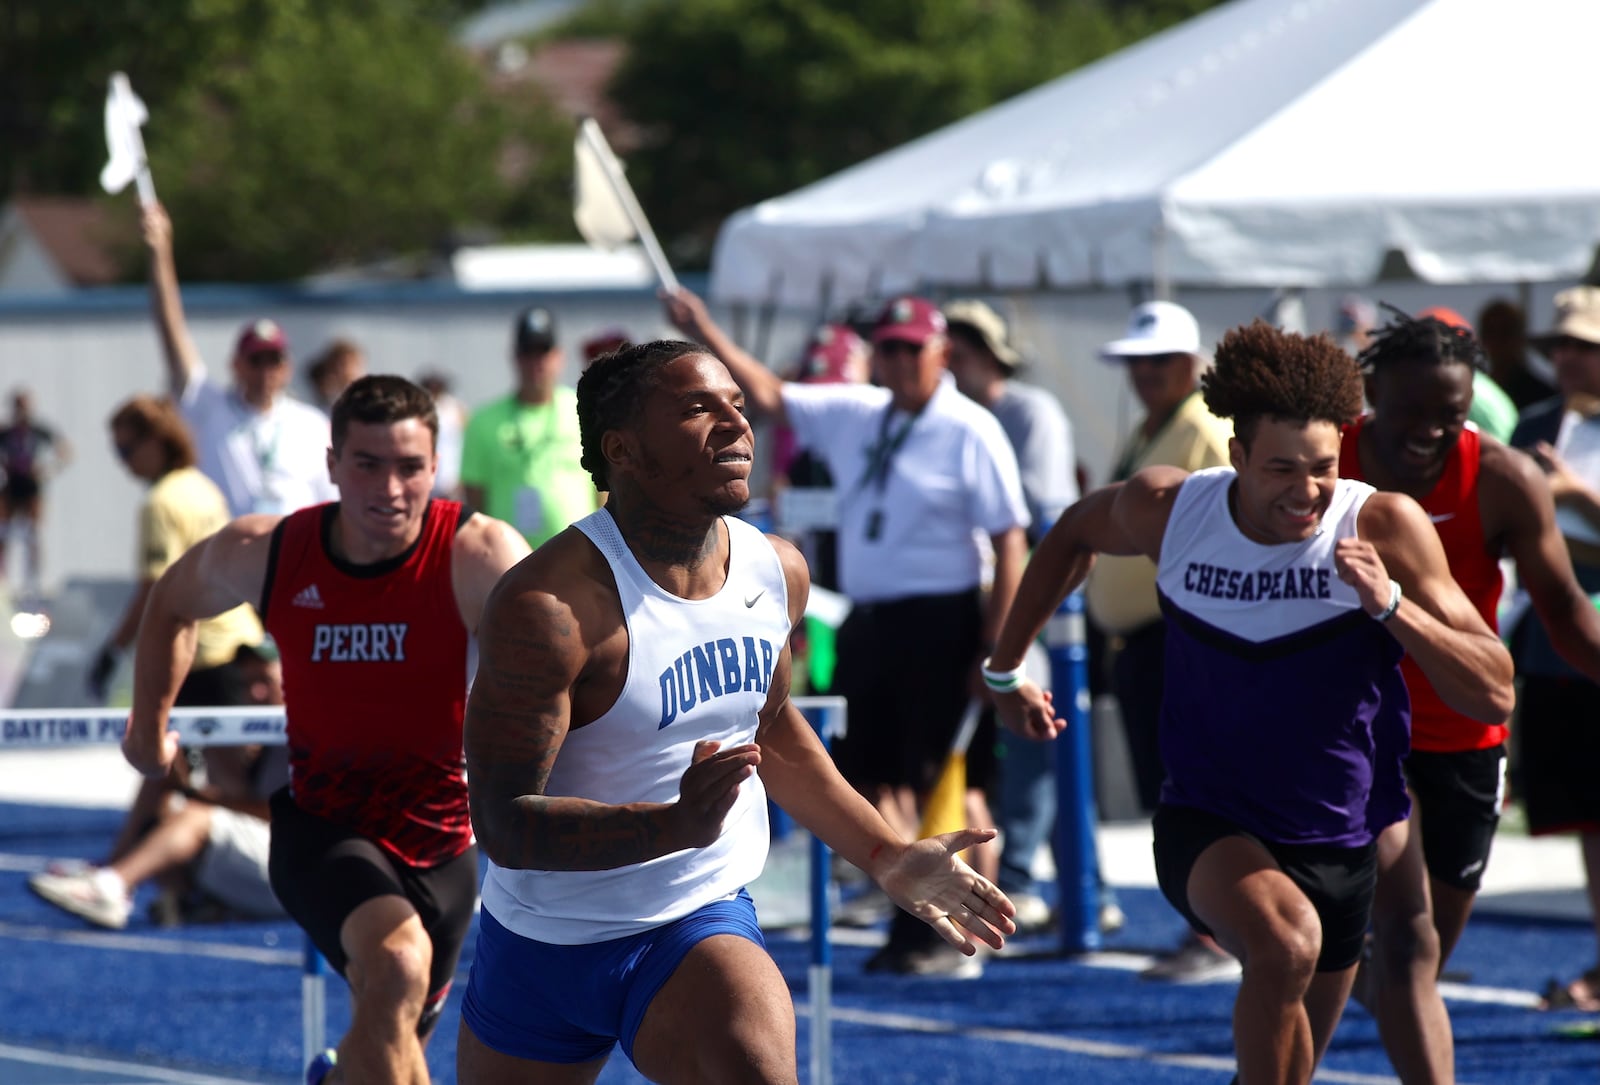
{"x": 1409, "y": 338}
{"x": 1261, "y": 372}
{"x": 614, "y": 388}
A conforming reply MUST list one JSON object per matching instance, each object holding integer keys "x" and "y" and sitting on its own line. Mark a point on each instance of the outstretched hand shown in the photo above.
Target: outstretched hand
{"x": 709, "y": 788}
{"x": 932, "y": 882}
{"x": 1029, "y": 711}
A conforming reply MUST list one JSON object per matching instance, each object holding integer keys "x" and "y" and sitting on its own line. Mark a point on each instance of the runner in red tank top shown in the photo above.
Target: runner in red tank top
{"x": 371, "y": 601}
{"x": 379, "y": 747}
{"x": 1486, "y": 502}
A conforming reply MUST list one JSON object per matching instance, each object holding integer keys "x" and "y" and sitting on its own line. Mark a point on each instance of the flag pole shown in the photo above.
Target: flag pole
{"x": 122, "y": 90}
{"x": 590, "y": 131}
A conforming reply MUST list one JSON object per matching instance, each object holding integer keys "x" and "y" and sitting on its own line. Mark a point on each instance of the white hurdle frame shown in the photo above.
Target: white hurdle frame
{"x": 45, "y": 728}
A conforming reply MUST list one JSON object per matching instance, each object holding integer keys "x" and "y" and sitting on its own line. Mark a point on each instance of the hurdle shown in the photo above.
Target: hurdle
{"x": 44, "y": 728}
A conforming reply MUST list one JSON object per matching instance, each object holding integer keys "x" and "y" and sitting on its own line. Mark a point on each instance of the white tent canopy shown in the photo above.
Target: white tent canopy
{"x": 1265, "y": 143}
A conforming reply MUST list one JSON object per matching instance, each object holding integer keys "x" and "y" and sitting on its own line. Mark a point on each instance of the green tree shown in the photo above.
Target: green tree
{"x": 741, "y": 100}
{"x": 289, "y": 135}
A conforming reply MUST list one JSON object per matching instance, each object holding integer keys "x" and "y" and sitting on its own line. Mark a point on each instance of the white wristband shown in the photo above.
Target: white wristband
{"x": 1394, "y": 601}
{"x": 1004, "y": 681}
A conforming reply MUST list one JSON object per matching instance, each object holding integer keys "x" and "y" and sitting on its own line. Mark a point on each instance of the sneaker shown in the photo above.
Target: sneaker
{"x": 941, "y": 959}
{"x": 1033, "y": 913}
{"x": 944, "y": 960}
{"x": 95, "y": 895}
{"x": 68, "y": 866}
{"x": 864, "y": 910}
{"x": 318, "y": 1068}
{"x": 1112, "y": 917}
{"x": 1193, "y": 962}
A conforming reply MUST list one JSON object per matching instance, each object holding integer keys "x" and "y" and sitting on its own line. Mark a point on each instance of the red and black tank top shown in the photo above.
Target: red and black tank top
{"x": 1457, "y": 515}
{"x": 375, "y": 681}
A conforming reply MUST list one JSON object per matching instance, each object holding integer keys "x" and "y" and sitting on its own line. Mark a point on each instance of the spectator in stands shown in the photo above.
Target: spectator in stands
{"x": 834, "y": 354}
{"x": 333, "y": 369}
{"x": 607, "y": 340}
{"x": 520, "y": 459}
{"x": 1556, "y": 739}
{"x": 985, "y": 363}
{"x": 1503, "y": 334}
{"x": 1161, "y": 350}
{"x": 923, "y": 473}
{"x": 452, "y": 432}
{"x": 1354, "y": 319}
{"x": 30, "y": 452}
{"x": 208, "y": 845}
{"x": 181, "y": 507}
{"x": 266, "y": 451}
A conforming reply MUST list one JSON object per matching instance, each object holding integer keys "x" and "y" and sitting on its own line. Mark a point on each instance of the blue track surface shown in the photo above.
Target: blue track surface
{"x": 221, "y": 1004}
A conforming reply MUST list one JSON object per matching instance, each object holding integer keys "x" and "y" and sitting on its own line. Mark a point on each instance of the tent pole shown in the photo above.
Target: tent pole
{"x": 1161, "y": 275}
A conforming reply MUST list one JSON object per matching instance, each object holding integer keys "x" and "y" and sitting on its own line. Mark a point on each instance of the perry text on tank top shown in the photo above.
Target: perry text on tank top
{"x": 375, "y": 680}
{"x": 1274, "y": 672}
{"x": 698, "y": 669}
{"x": 1453, "y": 506}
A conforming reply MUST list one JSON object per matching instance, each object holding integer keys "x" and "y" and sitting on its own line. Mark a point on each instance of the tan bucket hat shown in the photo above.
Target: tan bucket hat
{"x": 1577, "y": 317}
{"x": 990, "y": 326}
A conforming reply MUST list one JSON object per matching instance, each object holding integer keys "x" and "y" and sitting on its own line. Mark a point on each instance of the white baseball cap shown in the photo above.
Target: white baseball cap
{"x": 1156, "y": 327}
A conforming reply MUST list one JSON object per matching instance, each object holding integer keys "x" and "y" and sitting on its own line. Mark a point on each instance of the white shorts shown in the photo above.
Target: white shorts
{"x": 233, "y": 867}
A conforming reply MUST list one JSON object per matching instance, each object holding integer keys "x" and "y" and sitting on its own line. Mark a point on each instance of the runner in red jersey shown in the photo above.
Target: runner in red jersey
{"x": 371, "y": 601}
{"x": 379, "y": 747}
{"x": 1486, "y": 501}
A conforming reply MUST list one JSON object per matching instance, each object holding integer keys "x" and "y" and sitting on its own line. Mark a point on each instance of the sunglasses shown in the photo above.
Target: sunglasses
{"x": 892, "y": 347}
{"x": 265, "y": 359}
{"x": 126, "y": 449}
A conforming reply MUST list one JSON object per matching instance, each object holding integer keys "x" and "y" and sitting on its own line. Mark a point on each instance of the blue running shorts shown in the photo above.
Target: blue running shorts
{"x": 568, "y": 1004}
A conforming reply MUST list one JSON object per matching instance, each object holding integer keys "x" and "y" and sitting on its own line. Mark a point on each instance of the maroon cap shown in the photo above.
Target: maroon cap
{"x": 827, "y": 357}
{"x": 605, "y": 341}
{"x": 260, "y": 336}
{"x": 909, "y": 320}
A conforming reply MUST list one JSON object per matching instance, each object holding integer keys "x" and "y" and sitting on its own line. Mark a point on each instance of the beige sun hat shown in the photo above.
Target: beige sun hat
{"x": 1577, "y": 317}
{"x": 990, "y": 326}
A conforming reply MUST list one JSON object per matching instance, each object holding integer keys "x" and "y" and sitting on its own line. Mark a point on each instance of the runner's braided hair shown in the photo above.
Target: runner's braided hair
{"x": 612, "y": 392}
{"x": 1421, "y": 339}
{"x": 1261, "y": 372}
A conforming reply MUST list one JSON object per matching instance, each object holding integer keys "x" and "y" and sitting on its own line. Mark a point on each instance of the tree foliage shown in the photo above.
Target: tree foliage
{"x": 742, "y": 100}
{"x": 290, "y": 135}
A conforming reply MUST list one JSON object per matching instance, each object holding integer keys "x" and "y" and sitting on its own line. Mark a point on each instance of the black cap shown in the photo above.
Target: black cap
{"x": 534, "y": 333}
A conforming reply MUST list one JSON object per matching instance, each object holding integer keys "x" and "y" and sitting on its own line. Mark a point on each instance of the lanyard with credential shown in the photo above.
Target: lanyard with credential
{"x": 879, "y": 458}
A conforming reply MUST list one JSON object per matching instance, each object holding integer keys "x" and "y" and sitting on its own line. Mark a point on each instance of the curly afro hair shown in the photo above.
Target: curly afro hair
{"x": 1262, "y": 372}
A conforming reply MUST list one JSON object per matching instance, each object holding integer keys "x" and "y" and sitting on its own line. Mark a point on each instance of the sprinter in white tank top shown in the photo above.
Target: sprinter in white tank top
{"x": 630, "y": 718}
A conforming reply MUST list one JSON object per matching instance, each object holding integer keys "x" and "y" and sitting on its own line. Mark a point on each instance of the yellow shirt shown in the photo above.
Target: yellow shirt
{"x": 1121, "y": 592}
{"x": 181, "y": 508}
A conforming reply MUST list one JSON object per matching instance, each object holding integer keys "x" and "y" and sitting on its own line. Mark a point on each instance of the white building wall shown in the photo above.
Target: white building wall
{"x": 84, "y": 354}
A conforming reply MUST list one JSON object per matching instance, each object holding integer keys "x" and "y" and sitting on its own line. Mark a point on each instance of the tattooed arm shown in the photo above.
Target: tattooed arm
{"x": 552, "y": 639}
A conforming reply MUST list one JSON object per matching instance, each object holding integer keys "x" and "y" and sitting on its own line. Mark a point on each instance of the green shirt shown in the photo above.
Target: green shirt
{"x": 526, "y": 459}
{"x": 1492, "y": 410}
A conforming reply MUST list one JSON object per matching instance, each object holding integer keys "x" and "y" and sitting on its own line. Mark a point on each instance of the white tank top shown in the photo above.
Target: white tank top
{"x": 697, "y": 669}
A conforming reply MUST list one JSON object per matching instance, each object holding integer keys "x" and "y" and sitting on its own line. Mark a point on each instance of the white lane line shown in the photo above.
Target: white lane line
{"x": 139, "y": 1075}
{"x": 137, "y": 943}
{"x": 1094, "y": 1048}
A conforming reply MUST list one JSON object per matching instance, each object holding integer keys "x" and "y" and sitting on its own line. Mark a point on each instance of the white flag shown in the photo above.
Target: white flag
{"x": 604, "y": 208}
{"x": 125, "y": 113}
